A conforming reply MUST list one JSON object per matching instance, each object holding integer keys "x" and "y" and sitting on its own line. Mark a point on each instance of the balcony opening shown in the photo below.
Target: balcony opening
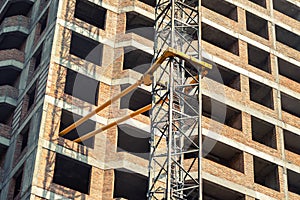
{"x": 130, "y": 185}
{"x": 222, "y": 7}
{"x": 293, "y": 181}
{"x": 43, "y": 22}
{"x": 263, "y": 132}
{"x": 136, "y": 60}
{"x": 6, "y": 113}
{"x": 140, "y": 25}
{"x": 149, "y": 2}
{"x": 290, "y": 104}
{"x": 261, "y": 3}
{"x": 12, "y": 40}
{"x": 76, "y": 85}
{"x": 220, "y": 39}
{"x": 90, "y": 13}
{"x": 18, "y": 182}
{"x": 288, "y": 38}
{"x": 261, "y": 93}
{"x": 9, "y": 76}
{"x": 18, "y": 8}
{"x": 259, "y": 58}
{"x": 136, "y": 99}
{"x": 67, "y": 118}
{"x": 257, "y": 25}
{"x": 221, "y": 113}
{"x": 289, "y": 70}
{"x": 287, "y": 8}
{"x": 225, "y": 76}
{"x": 213, "y": 191}
{"x": 31, "y": 96}
{"x": 128, "y": 135}
{"x": 266, "y": 173}
{"x": 86, "y": 48}
{"x": 291, "y": 141}
{"x": 72, "y": 174}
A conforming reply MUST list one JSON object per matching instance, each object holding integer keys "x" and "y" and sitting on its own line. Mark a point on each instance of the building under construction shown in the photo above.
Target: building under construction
{"x": 214, "y": 117}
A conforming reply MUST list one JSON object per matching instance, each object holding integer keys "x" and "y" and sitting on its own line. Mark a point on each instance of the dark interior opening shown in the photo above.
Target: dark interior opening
{"x": 291, "y": 141}
{"x": 263, "y": 132}
{"x": 72, "y": 174}
{"x": 262, "y": 3}
{"x": 266, "y": 173}
{"x": 18, "y": 182}
{"x": 259, "y": 58}
{"x": 149, "y": 2}
{"x": 257, "y": 25}
{"x": 18, "y": 8}
{"x": 90, "y": 13}
{"x": 31, "y": 96}
{"x": 77, "y": 84}
{"x": 261, "y": 93}
{"x": 9, "y": 75}
{"x": 38, "y": 58}
{"x": 220, "y": 39}
{"x": 43, "y": 21}
{"x": 67, "y": 118}
{"x": 222, "y": 7}
{"x": 290, "y": 104}
{"x": 287, "y": 8}
{"x": 24, "y": 135}
{"x": 293, "y": 181}
{"x": 289, "y": 70}
{"x": 86, "y": 48}
{"x": 288, "y": 38}
{"x": 137, "y": 60}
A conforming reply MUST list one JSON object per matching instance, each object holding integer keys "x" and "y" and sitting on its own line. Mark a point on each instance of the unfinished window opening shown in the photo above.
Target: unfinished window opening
{"x": 9, "y": 75}
{"x": 38, "y": 58}
{"x": 24, "y": 136}
{"x": 43, "y": 21}
{"x": 67, "y": 118}
{"x": 72, "y": 174}
{"x": 149, "y": 2}
{"x": 136, "y": 99}
{"x": 86, "y": 48}
{"x": 220, "y": 39}
{"x": 140, "y": 25}
{"x": 222, "y": 7}
{"x": 293, "y": 181}
{"x": 31, "y": 96}
{"x": 288, "y": 38}
{"x": 128, "y": 135}
{"x": 90, "y": 13}
{"x": 213, "y": 191}
{"x": 262, "y": 3}
{"x": 18, "y": 182}
{"x": 261, "y": 93}
{"x": 259, "y": 58}
{"x": 137, "y": 60}
{"x": 130, "y": 185}
{"x": 222, "y": 113}
{"x": 225, "y": 76}
{"x": 18, "y": 8}
{"x": 263, "y": 132}
{"x": 287, "y": 8}
{"x": 289, "y": 70}
{"x": 257, "y": 25}
{"x": 77, "y": 84}
{"x": 291, "y": 141}
{"x": 290, "y": 104}
{"x": 266, "y": 173}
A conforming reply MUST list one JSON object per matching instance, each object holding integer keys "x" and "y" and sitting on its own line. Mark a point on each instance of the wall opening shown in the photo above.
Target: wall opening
{"x": 262, "y": 3}
{"x": 18, "y": 8}
{"x": 127, "y": 136}
{"x": 77, "y": 84}
{"x": 9, "y": 76}
{"x": 137, "y": 60}
{"x": 90, "y": 13}
{"x": 259, "y": 58}
{"x": 18, "y": 182}
{"x": 72, "y": 174}
{"x": 225, "y": 76}
{"x": 222, "y": 113}
{"x": 43, "y": 22}
{"x": 149, "y": 2}
{"x": 24, "y": 136}
{"x": 38, "y": 57}
{"x": 136, "y": 99}
{"x": 266, "y": 173}
{"x": 130, "y": 185}
{"x": 67, "y": 118}
{"x": 257, "y": 25}
{"x": 290, "y": 104}
{"x": 261, "y": 93}
{"x": 220, "y": 39}
{"x": 140, "y": 25}
{"x": 263, "y": 132}
{"x": 291, "y": 141}
{"x": 293, "y": 181}
{"x": 86, "y": 48}
{"x": 222, "y": 7}
{"x": 31, "y": 96}
{"x": 288, "y": 38}
{"x": 289, "y": 70}
{"x": 287, "y": 8}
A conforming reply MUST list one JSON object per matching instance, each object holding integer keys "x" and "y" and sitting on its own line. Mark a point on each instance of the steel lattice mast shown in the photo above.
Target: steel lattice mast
{"x": 176, "y": 106}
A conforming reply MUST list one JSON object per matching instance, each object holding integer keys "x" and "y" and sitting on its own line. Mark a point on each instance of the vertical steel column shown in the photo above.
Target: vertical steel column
{"x": 174, "y": 168}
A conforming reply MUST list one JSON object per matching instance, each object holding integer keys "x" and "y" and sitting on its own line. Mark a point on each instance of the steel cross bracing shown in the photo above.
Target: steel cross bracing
{"x": 176, "y": 106}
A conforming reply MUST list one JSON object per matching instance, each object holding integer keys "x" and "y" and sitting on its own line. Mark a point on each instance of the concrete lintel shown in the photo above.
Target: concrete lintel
{"x": 14, "y": 29}
{"x": 8, "y": 100}
{"x": 135, "y": 44}
{"x": 138, "y": 10}
{"x": 16, "y": 64}
{"x": 4, "y": 141}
